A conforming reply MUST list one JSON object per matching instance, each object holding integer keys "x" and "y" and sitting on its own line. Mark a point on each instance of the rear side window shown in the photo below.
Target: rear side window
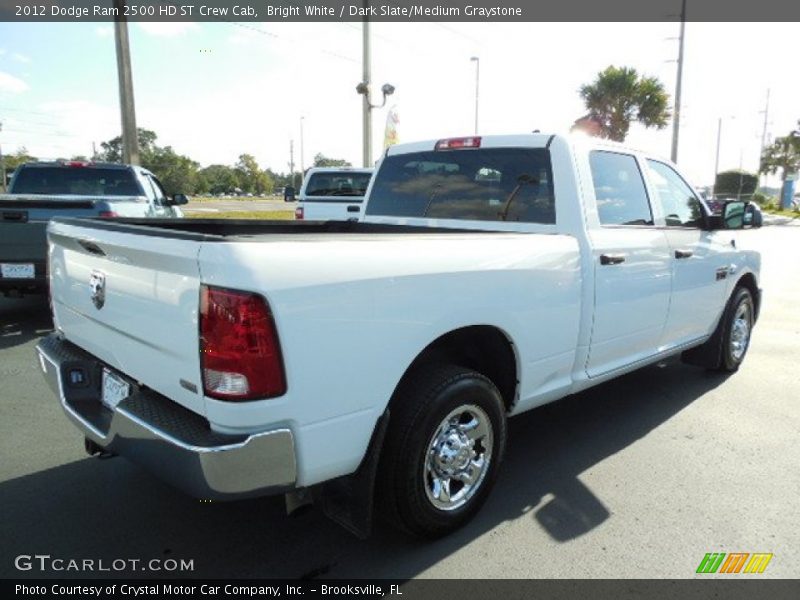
{"x": 79, "y": 181}
{"x": 486, "y": 184}
{"x": 619, "y": 189}
{"x": 681, "y": 207}
{"x": 337, "y": 184}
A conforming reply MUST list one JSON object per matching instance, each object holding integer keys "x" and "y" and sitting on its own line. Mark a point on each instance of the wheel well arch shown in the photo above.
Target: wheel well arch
{"x": 748, "y": 280}
{"x": 482, "y": 348}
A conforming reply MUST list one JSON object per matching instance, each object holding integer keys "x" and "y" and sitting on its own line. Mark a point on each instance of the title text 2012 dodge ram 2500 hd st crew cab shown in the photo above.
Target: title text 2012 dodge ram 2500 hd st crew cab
{"x": 490, "y": 276}
{"x": 43, "y": 190}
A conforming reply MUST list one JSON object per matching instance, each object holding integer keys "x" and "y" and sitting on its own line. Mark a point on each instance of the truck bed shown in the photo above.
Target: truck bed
{"x": 221, "y": 229}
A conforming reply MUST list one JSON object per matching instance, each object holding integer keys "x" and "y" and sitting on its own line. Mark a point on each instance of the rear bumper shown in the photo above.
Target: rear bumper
{"x": 167, "y": 439}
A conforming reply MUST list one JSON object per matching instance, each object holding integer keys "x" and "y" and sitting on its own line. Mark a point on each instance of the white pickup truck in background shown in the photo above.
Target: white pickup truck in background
{"x": 347, "y": 359}
{"x": 333, "y": 194}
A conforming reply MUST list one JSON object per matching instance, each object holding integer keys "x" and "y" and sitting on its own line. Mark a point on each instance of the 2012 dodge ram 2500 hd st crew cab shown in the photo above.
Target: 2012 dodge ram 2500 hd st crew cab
{"x": 344, "y": 360}
{"x": 43, "y": 190}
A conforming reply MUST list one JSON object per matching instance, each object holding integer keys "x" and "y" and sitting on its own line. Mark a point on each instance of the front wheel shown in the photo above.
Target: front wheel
{"x": 738, "y": 324}
{"x": 446, "y": 439}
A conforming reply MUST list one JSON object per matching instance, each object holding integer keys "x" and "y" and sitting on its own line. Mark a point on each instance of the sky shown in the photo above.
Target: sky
{"x": 216, "y": 90}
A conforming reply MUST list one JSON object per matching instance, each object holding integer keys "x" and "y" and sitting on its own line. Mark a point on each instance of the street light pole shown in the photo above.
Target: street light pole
{"x": 676, "y": 121}
{"x": 2, "y": 166}
{"x": 366, "y": 107}
{"x": 302, "y": 157}
{"x": 716, "y": 162}
{"x": 477, "y": 61}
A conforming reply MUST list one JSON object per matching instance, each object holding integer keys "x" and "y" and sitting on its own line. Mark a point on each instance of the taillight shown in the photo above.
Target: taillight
{"x": 77, "y": 163}
{"x": 108, "y": 214}
{"x": 298, "y": 213}
{"x": 240, "y": 355}
{"x": 457, "y": 143}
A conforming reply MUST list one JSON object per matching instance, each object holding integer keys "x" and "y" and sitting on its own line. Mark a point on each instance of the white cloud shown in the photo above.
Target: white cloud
{"x": 168, "y": 29}
{"x": 21, "y": 58}
{"x": 9, "y": 83}
{"x": 104, "y": 31}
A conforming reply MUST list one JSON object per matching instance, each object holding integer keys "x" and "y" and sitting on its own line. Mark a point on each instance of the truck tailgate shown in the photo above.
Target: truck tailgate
{"x": 23, "y": 224}
{"x": 131, "y": 300}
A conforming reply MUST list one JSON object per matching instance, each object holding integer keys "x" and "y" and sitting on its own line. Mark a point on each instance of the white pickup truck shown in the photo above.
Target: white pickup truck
{"x": 333, "y": 194}
{"x": 349, "y": 360}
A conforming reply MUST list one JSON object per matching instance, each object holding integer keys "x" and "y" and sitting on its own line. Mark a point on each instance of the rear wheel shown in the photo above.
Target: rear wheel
{"x": 446, "y": 439}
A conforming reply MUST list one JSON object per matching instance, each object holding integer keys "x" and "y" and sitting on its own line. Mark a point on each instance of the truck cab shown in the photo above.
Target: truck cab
{"x": 333, "y": 194}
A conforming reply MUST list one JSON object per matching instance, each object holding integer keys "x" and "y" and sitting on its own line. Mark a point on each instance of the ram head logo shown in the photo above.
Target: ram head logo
{"x": 97, "y": 283}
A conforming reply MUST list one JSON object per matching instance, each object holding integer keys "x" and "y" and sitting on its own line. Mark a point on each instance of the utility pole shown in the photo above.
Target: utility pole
{"x": 2, "y": 165}
{"x": 291, "y": 161}
{"x": 366, "y": 107}
{"x": 676, "y": 121}
{"x": 764, "y": 132}
{"x": 130, "y": 141}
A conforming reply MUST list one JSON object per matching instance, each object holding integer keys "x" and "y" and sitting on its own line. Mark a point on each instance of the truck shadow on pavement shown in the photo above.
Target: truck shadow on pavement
{"x": 89, "y": 508}
{"x": 23, "y": 319}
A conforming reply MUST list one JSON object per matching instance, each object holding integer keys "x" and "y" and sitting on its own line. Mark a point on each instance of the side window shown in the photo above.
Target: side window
{"x": 149, "y": 191}
{"x": 158, "y": 189}
{"x": 619, "y": 188}
{"x": 679, "y": 203}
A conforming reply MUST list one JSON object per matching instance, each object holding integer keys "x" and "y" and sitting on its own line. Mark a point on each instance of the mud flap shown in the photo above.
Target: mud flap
{"x": 349, "y": 500}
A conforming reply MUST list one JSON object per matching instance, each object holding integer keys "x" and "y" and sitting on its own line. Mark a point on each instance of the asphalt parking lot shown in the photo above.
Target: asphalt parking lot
{"x": 637, "y": 478}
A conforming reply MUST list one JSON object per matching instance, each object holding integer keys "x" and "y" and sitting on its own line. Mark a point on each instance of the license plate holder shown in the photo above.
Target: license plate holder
{"x": 114, "y": 389}
{"x": 17, "y": 270}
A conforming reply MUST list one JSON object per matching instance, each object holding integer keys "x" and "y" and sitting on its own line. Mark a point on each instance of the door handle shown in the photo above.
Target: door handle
{"x": 683, "y": 253}
{"x": 353, "y": 208}
{"x": 612, "y": 259}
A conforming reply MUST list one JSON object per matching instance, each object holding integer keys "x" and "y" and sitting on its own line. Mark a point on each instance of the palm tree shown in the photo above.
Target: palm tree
{"x": 783, "y": 154}
{"x": 618, "y": 96}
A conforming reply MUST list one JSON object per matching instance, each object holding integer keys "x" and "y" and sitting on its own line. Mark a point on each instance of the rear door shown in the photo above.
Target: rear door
{"x": 699, "y": 258}
{"x": 631, "y": 262}
{"x": 130, "y": 297}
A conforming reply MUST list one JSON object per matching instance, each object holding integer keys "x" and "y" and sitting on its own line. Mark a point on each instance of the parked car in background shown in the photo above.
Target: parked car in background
{"x": 333, "y": 194}
{"x": 42, "y": 190}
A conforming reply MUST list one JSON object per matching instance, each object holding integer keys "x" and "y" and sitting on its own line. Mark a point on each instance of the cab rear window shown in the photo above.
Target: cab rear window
{"x": 337, "y": 184}
{"x": 487, "y": 184}
{"x": 78, "y": 181}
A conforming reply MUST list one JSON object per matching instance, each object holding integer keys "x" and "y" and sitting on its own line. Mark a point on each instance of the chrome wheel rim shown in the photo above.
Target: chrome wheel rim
{"x": 458, "y": 457}
{"x": 740, "y": 331}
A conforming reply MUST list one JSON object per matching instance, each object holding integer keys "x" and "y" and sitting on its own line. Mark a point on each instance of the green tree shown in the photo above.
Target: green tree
{"x": 251, "y": 178}
{"x": 735, "y": 183}
{"x": 619, "y": 95}
{"x": 177, "y": 173}
{"x": 111, "y": 151}
{"x": 219, "y": 179}
{"x": 320, "y": 160}
{"x": 782, "y": 155}
{"x": 12, "y": 161}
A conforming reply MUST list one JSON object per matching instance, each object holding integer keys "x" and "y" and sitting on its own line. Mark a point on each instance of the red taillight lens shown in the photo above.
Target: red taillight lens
{"x": 457, "y": 143}
{"x": 298, "y": 213}
{"x": 108, "y": 214}
{"x": 240, "y": 355}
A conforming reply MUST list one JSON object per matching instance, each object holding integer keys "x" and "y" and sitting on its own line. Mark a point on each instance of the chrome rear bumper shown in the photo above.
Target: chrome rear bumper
{"x": 167, "y": 439}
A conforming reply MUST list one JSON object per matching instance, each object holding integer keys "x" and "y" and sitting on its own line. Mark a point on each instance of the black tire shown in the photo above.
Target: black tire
{"x": 740, "y": 307}
{"x": 410, "y": 467}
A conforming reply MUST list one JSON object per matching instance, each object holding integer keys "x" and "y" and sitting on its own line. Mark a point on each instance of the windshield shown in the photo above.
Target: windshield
{"x": 491, "y": 184}
{"x": 78, "y": 181}
{"x": 338, "y": 184}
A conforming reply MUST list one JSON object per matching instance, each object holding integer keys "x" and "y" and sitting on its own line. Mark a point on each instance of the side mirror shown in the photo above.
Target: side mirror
{"x": 733, "y": 215}
{"x": 177, "y": 200}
